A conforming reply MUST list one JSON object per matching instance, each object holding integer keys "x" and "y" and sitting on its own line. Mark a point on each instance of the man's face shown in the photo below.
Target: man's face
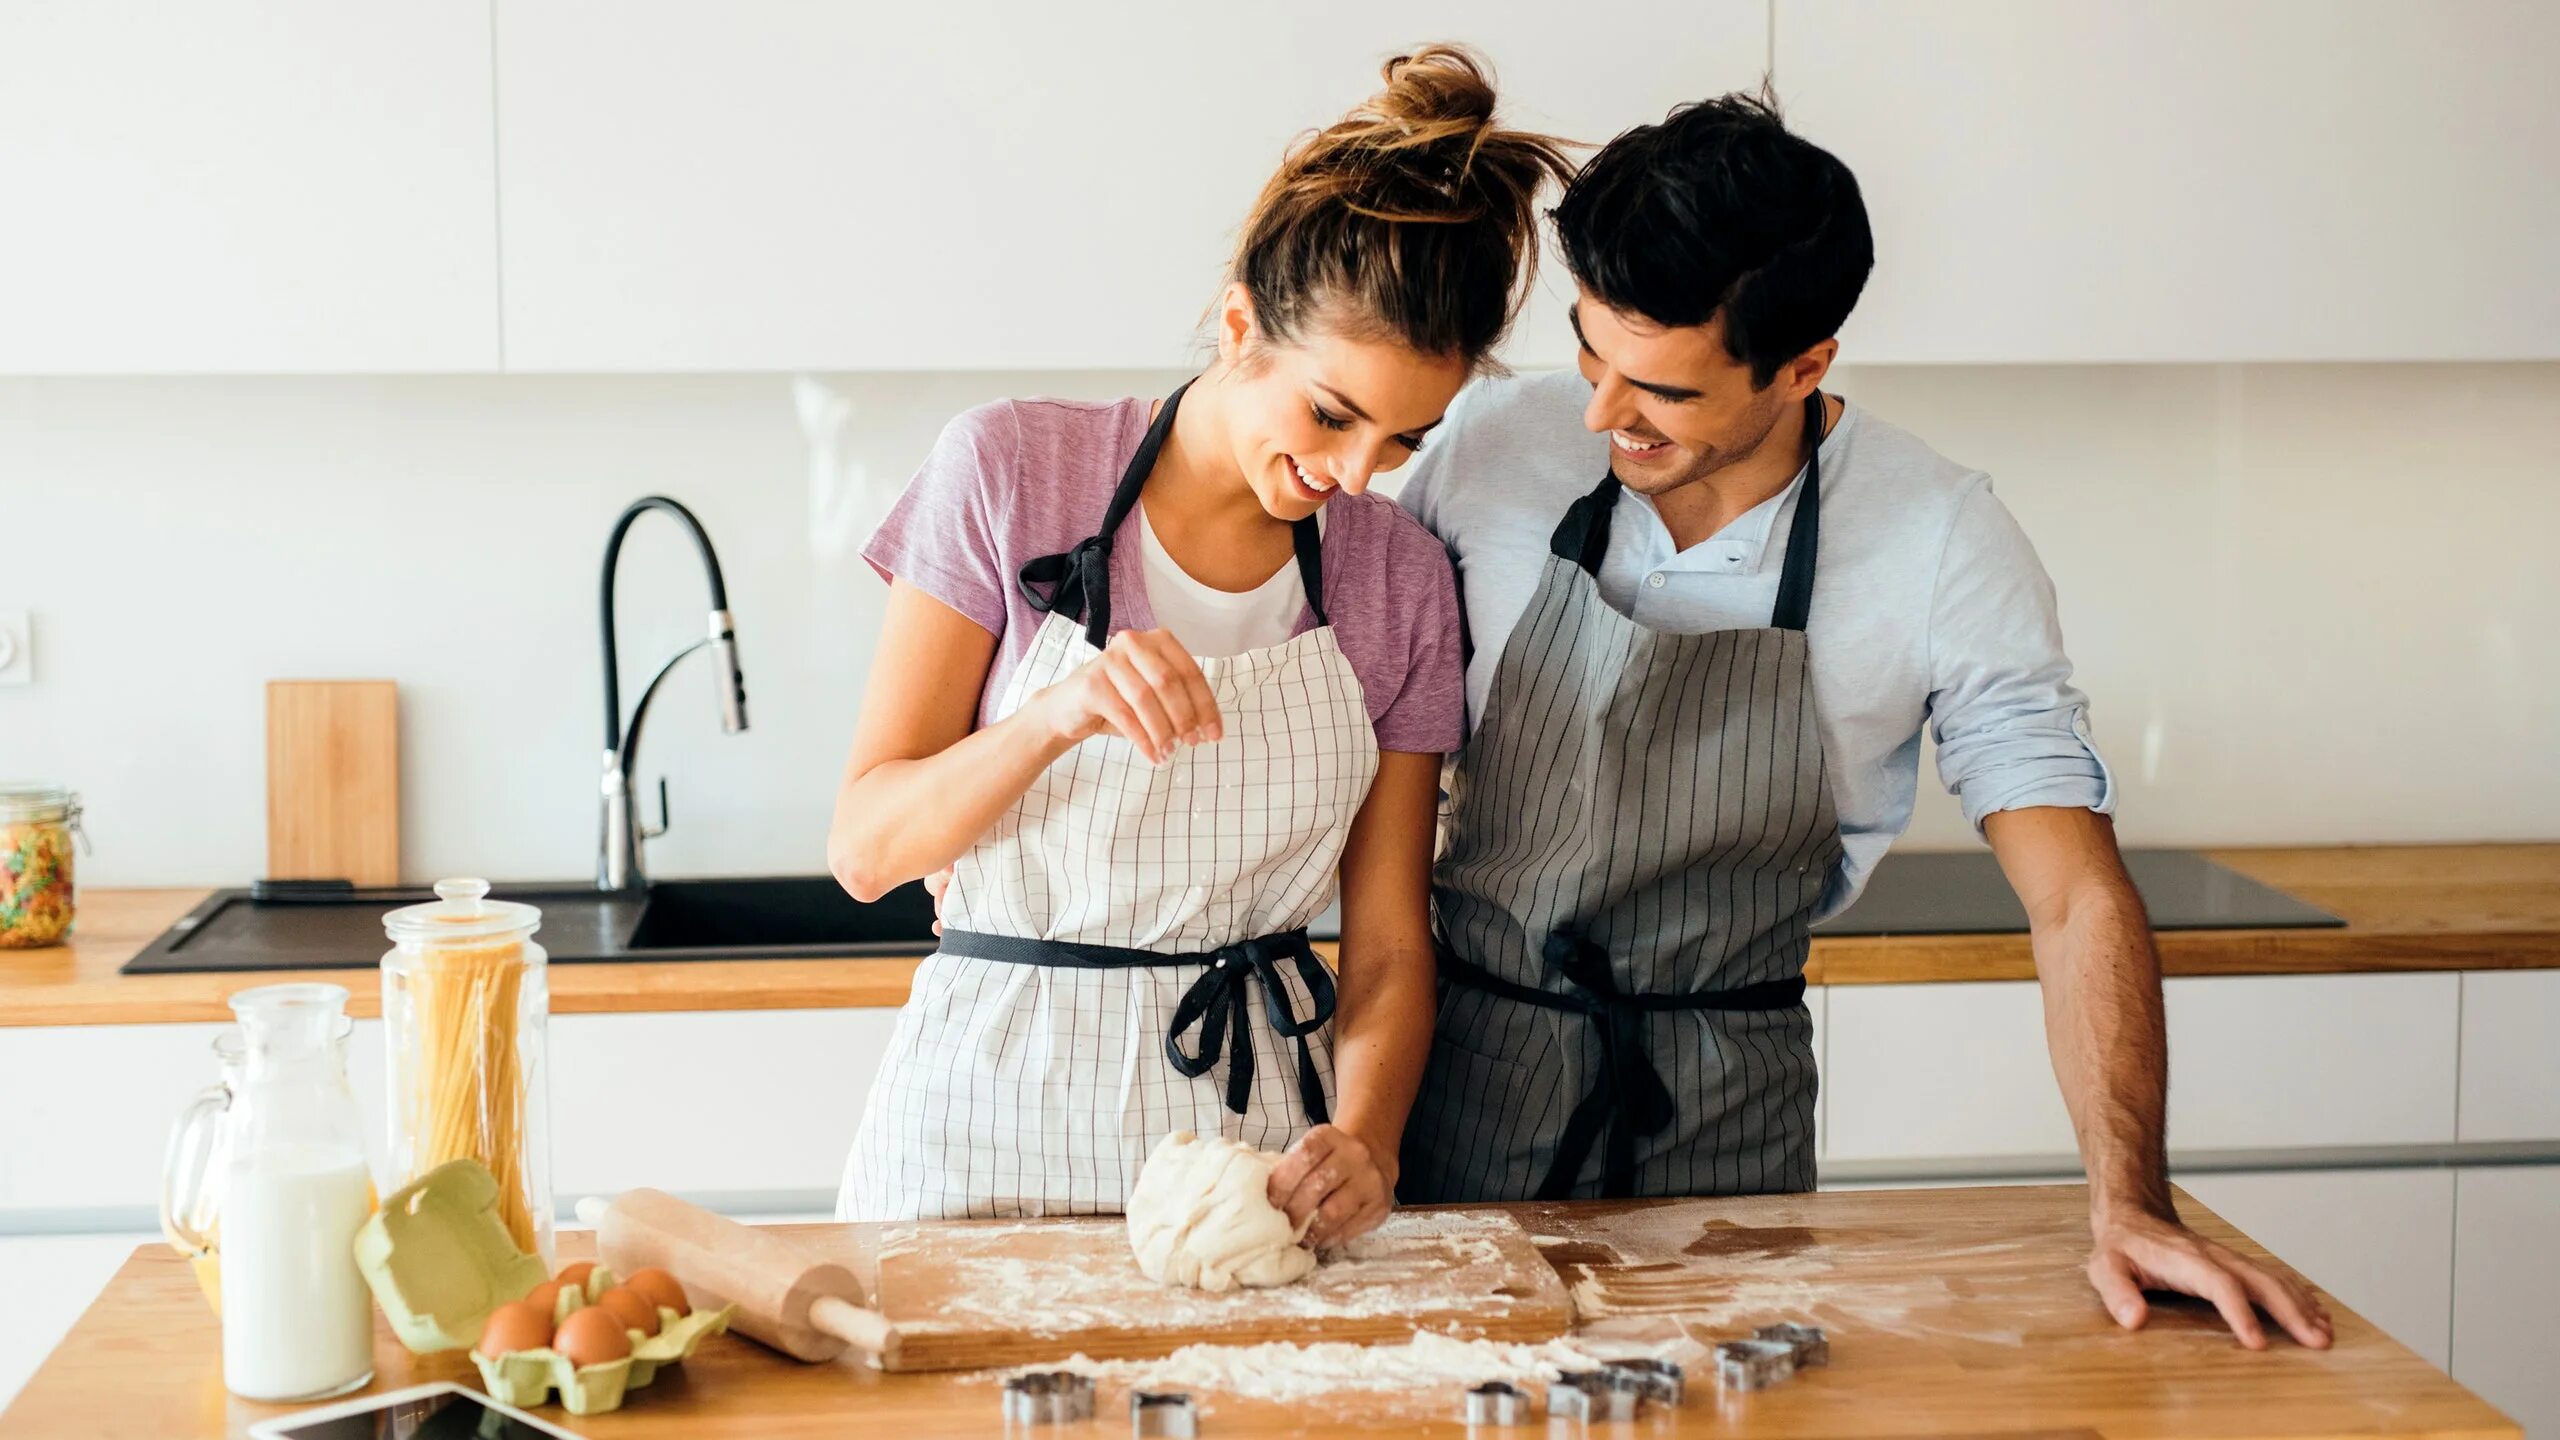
{"x": 1675, "y": 406}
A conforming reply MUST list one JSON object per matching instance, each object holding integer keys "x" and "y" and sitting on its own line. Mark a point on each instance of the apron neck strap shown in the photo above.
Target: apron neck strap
{"x": 1582, "y": 537}
{"x": 1795, "y": 581}
{"x": 1078, "y": 582}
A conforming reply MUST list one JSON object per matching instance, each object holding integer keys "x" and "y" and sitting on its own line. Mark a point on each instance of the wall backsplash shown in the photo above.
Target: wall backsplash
{"x": 2312, "y": 604}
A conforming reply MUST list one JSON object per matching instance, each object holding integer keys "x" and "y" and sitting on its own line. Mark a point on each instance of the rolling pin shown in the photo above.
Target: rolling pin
{"x": 809, "y": 1309}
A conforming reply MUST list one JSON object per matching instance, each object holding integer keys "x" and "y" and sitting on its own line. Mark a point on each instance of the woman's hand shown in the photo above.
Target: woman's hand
{"x": 1346, "y": 1183}
{"x": 1143, "y": 687}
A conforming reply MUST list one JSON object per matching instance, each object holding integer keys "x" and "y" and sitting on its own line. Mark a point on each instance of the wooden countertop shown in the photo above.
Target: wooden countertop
{"x": 1950, "y": 1312}
{"x": 2407, "y": 907}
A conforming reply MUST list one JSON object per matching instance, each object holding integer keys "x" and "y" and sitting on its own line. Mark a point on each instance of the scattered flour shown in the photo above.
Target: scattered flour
{"x": 1282, "y": 1370}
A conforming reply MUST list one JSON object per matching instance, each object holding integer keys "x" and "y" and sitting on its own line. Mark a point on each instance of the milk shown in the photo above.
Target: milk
{"x": 297, "y": 1320}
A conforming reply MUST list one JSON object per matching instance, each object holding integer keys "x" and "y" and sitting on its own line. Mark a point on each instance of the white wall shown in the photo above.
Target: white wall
{"x": 2312, "y": 603}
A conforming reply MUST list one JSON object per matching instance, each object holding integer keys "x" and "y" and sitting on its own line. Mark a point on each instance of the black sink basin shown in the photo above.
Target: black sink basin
{"x": 806, "y": 914}
{"x": 789, "y": 917}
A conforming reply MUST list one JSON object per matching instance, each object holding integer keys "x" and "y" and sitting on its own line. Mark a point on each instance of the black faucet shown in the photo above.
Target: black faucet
{"x": 618, "y": 848}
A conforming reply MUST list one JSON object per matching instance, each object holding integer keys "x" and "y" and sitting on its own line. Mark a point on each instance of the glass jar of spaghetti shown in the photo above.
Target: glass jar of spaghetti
{"x": 465, "y": 999}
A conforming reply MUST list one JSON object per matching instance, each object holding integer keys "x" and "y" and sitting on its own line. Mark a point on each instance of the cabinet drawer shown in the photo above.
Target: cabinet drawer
{"x": 1914, "y": 1071}
{"x": 749, "y": 1100}
{"x": 87, "y": 1121}
{"x": 2511, "y": 1055}
{"x": 2283, "y": 1060}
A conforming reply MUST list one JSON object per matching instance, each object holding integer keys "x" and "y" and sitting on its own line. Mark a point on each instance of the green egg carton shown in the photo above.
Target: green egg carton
{"x": 439, "y": 1259}
{"x": 527, "y": 1377}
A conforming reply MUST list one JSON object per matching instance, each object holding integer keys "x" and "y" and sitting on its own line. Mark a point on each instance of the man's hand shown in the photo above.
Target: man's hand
{"x": 2145, "y": 1252}
{"x": 1346, "y": 1184}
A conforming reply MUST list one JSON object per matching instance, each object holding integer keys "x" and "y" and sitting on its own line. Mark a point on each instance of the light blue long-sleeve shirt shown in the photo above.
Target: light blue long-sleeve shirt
{"x": 1929, "y": 606}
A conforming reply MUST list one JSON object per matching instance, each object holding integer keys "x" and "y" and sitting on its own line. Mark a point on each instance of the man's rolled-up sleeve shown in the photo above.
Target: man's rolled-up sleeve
{"x": 2012, "y": 732}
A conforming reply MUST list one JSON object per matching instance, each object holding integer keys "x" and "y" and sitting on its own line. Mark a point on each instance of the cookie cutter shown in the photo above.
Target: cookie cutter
{"x": 1048, "y": 1397}
{"x": 1496, "y": 1402}
{"x": 1163, "y": 1412}
{"x": 1753, "y": 1364}
{"x": 1812, "y": 1347}
{"x": 1595, "y": 1395}
{"x": 1660, "y": 1380}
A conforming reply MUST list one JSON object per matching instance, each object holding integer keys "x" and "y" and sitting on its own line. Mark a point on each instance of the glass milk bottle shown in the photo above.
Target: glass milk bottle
{"x": 297, "y": 1320}
{"x": 466, "y": 998}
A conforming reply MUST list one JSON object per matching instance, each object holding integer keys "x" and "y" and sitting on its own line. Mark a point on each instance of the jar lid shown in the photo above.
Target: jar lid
{"x": 27, "y": 800}
{"x": 462, "y": 911}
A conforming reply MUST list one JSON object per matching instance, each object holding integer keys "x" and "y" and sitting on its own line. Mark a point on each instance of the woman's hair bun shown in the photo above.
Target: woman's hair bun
{"x": 1417, "y": 208}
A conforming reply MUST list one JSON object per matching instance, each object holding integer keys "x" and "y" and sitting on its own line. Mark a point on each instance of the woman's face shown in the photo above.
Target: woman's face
{"x": 1324, "y": 413}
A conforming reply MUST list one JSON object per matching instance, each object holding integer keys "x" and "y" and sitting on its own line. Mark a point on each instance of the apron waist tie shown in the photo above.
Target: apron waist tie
{"x": 1215, "y": 1004}
{"x": 1630, "y": 1100}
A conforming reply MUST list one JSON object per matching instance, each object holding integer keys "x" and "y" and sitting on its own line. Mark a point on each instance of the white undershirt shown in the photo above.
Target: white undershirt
{"x": 1213, "y": 622}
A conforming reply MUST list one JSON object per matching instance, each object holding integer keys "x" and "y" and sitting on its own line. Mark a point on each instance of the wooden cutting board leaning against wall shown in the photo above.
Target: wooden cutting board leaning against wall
{"x": 968, "y": 1295}
{"x": 333, "y": 781}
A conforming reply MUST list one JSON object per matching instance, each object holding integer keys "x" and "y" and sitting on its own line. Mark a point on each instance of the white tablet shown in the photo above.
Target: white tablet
{"x": 443, "y": 1411}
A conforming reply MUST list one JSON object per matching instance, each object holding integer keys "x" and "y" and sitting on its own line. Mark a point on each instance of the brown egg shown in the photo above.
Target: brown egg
{"x": 521, "y": 1325}
{"x": 631, "y": 1308}
{"x": 574, "y": 1274}
{"x": 593, "y": 1336}
{"x": 545, "y": 1297}
{"x": 661, "y": 1289}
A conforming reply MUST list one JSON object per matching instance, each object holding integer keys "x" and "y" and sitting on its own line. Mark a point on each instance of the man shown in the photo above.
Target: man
{"x": 1696, "y": 695}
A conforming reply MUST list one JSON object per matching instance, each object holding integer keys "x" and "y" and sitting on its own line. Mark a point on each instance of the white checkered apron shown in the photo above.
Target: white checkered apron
{"x": 1014, "y": 1089}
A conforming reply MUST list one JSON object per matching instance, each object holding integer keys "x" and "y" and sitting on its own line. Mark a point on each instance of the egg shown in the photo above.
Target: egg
{"x": 631, "y": 1308}
{"x": 574, "y": 1274}
{"x": 660, "y": 1288}
{"x": 520, "y": 1325}
{"x": 593, "y": 1336}
{"x": 545, "y": 1297}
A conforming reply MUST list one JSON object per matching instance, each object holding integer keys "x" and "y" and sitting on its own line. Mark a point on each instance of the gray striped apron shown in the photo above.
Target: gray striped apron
{"x": 1641, "y": 826}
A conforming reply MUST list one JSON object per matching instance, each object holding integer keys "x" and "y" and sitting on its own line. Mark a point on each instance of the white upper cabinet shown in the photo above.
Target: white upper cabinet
{"x": 972, "y": 184}
{"x": 246, "y": 185}
{"x": 2192, "y": 179}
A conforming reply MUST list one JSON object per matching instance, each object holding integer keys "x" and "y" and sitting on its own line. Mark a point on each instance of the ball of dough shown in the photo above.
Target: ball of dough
{"x": 1199, "y": 1216}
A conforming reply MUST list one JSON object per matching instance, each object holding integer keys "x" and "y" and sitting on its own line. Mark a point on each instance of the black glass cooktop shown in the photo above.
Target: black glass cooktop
{"x": 1965, "y": 894}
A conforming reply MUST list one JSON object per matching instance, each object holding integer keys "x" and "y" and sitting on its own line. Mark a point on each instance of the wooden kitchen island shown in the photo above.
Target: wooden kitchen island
{"x": 1950, "y": 1312}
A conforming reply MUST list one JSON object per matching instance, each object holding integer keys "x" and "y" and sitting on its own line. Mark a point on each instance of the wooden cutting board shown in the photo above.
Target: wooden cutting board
{"x": 333, "y": 781}
{"x": 969, "y": 1295}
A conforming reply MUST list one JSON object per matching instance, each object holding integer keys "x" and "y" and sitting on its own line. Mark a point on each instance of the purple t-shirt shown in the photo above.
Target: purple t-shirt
{"x": 1013, "y": 480}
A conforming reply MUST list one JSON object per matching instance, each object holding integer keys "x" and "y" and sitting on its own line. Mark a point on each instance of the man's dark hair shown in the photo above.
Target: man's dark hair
{"x": 1719, "y": 207}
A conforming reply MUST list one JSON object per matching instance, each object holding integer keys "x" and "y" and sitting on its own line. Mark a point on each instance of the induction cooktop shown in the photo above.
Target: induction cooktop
{"x": 1965, "y": 894}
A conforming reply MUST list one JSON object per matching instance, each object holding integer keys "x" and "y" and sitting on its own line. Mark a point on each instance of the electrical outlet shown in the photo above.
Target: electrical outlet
{"x": 17, "y": 649}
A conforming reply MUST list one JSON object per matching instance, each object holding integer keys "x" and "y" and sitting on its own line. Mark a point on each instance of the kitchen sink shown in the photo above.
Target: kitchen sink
{"x": 772, "y": 918}
{"x": 800, "y": 914}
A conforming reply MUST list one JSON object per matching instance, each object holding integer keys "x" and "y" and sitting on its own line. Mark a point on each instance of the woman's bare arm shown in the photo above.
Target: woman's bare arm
{"x": 921, "y": 786}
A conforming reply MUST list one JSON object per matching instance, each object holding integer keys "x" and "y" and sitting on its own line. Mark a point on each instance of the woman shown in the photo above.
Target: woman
{"x": 1152, "y": 673}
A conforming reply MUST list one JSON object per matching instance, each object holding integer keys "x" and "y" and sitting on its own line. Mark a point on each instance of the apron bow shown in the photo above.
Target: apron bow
{"x": 1631, "y": 1099}
{"x": 1216, "y": 1004}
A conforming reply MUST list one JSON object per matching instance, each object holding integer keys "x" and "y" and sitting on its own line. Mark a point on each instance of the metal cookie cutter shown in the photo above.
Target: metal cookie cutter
{"x": 1048, "y": 1397}
{"x": 1753, "y": 1364}
{"x": 1497, "y": 1402}
{"x": 1812, "y": 1347}
{"x": 1659, "y": 1380}
{"x": 1593, "y": 1395}
{"x": 1163, "y": 1413}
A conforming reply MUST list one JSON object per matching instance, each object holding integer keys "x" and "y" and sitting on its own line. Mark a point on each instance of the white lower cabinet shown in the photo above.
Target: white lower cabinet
{"x": 1927, "y": 1071}
{"x": 2326, "y": 1224}
{"x": 2506, "y": 1291}
{"x": 51, "y": 1280}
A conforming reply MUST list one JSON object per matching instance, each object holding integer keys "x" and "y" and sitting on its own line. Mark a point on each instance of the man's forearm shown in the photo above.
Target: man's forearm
{"x": 2102, "y": 1014}
{"x": 2103, "y": 1021}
